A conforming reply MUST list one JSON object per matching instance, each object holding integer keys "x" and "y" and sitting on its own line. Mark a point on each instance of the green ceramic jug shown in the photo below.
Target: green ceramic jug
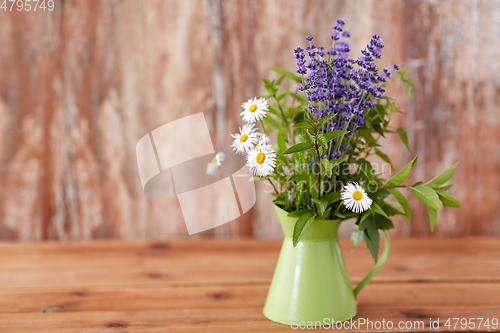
{"x": 310, "y": 282}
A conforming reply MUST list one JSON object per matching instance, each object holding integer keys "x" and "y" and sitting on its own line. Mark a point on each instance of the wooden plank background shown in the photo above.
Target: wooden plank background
{"x": 81, "y": 84}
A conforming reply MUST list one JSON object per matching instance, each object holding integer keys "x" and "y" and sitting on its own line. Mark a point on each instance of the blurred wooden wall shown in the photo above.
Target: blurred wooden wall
{"x": 81, "y": 84}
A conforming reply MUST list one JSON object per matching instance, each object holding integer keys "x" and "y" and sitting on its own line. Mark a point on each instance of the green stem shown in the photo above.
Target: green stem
{"x": 352, "y": 148}
{"x": 348, "y": 123}
{"x": 263, "y": 127}
{"x": 295, "y": 96}
{"x": 370, "y": 149}
{"x": 316, "y": 147}
{"x": 275, "y": 190}
{"x": 394, "y": 186}
{"x": 281, "y": 110}
{"x": 338, "y": 207}
{"x": 319, "y": 169}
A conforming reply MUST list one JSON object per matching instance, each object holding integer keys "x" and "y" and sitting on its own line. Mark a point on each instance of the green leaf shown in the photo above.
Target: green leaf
{"x": 303, "y": 124}
{"x": 402, "y": 200}
{"x": 446, "y": 188}
{"x": 331, "y": 197}
{"x": 299, "y": 177}
{"x": 379, "y": 210}
{"x": 298, "y": 147}
{"x": 273, "y": 108}
{"x": 336, "y": 162}
{"x": 301, "y": 98}
{"x": 356, "y": 236}
{"x": 329, "y": 136}
{"x": 442, "y": 178}
{"x": 309, "y": 116}
{"x": 381, "y": 111}
{"x": 447, "y": 199}
{"x": 383, "y": 156}
{"x": 363, "y": 217}
{"x": 309, "y": 137}
{"x": 369, "y": 139}
{"x": 432, "y": 217}
{"x": 301, "y": 226}
{"x": 399, "y": 177}
{"x": 269, "y": 85}
{"x": 392, "y": 106}
{"x": 322, "y": 140}
{"x": 340, "y": 215}
{"x": 284, "y": 160}
{"x": 383, "y": 223}
{"x": 282, "y": 95}
{"x": 314, "y": 153}
{"x": 281, "y": 140}
{"x": 379, "y": 194}
{"x": 325, "y": 119}
{"x": 286, "y": 73}
{"x": 271, "y": 122}
{"x": 327, "y": 166}
{"x": 404, "y": 137}
{"x": 379, "y": 129}
{"x": 313, "y": 190}
{"x": 371, "y": 236}
{"x": 292, "y": 110}
{"x": 407, "y": 82}
{"x": 320, "y": 205}
{"x": 297, "y": 213}
{"x": 427, "y": 195}
{"x": 327, "y": 213}
{"x": 392, "y": 208}
{"x": 280, "y": 80}
{"x": 366, "y": 168}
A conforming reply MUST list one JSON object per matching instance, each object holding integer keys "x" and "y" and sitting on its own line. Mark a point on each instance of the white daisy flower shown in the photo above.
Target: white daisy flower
{"x": 264, "y": 138}
{"x": 214, "y": 164}
{"x": 255, "y": 109}
{"x": 355, "y": 198}
{"x": 245, "y": 140}
{"x": 262, "y": 161}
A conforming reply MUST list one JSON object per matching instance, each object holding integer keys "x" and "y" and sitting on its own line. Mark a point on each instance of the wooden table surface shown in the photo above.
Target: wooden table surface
{"x": 221, "y": 285}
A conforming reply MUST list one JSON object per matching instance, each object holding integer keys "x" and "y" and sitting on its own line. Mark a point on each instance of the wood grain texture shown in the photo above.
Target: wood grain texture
{"x": 177, "y": 263}
{"x": 221, "y": 286}
{"x": 228, "y": 308}
{"x": 80, "y": 85}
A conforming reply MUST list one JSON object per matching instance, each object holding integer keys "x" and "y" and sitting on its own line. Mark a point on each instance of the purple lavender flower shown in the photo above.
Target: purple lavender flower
{"x": 335, "y": 84}
{"x": 300, "y": 56}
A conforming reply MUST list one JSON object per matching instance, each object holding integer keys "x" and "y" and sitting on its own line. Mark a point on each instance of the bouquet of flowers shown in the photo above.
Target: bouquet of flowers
{"x": 327, "y": 126}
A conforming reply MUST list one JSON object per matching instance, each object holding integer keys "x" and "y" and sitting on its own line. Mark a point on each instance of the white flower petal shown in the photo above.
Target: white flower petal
{"x": 266, "y": 167}
{"x": 243, "y": 147}
{"x": 256, "y": 115}
{"x": 347, "y": 195}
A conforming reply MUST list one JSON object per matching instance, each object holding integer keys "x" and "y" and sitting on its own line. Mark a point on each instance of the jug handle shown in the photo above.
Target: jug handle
{"x": 377, "y": 267}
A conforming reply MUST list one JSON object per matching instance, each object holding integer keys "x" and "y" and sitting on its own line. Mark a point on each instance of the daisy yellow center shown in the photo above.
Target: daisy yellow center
{"x": 213, "y": 160}
{"x": 252, "y": 108}
{"x": 261, "y": 157}
{"x": 257, "y": 147}
{"x": 357, "y": 195}
{"x": 243, "y": 138}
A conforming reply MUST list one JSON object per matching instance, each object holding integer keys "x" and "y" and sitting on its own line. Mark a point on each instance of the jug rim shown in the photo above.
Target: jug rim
{"x": 319, "y": 229}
